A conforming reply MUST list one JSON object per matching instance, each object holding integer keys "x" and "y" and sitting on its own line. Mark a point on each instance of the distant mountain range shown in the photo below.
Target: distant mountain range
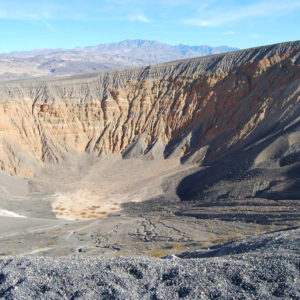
{"x": 125, "y": 54}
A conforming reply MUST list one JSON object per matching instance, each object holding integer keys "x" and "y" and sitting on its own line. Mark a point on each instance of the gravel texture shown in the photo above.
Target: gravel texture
{"x": 261, "y": 267}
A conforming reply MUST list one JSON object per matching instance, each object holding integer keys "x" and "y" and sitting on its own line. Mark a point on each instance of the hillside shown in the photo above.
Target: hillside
{"x": 195, "y": 109}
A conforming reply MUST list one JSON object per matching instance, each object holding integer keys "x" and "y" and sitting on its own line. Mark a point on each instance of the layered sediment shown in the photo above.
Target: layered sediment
{"x": 194, "y": 109}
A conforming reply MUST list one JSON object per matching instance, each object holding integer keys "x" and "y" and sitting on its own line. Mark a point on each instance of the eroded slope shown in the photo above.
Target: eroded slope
{"x": 194, "y": 109}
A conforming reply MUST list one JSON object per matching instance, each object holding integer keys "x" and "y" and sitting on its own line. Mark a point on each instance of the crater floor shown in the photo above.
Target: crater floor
{"x": 114, "y": 207}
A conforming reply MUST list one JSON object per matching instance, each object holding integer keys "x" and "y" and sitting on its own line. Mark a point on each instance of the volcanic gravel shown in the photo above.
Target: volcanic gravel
{"x": 260, "y": 267}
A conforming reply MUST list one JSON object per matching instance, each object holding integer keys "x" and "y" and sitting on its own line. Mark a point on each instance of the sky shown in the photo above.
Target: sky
{"x": 27, "y": 25}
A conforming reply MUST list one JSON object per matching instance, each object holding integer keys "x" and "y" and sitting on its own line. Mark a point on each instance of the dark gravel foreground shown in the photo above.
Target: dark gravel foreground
{"x": 261, "y": 267}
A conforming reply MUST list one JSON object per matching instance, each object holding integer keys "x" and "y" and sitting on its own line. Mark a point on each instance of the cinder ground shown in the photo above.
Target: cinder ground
{"x": 260, "y": 267}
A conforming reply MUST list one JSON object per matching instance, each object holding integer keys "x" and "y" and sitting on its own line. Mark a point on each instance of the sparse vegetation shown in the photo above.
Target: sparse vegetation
{"x": 223, "y": 238}
{"x": 272, "y": 227}
{"x": 179, "y": 247}
{"x": 297, "y": 223}
{"x": 92, "y": 216}
{"x": 205, "y": 244}
{"x": 259, "y": 230}
{"x": 51, "y": 243}
{"x": 10, "y": 252}
{"x": 158, "y": 253}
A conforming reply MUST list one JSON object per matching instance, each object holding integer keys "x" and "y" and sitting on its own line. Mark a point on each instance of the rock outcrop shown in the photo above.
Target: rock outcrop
{"x": 195, "y": 109}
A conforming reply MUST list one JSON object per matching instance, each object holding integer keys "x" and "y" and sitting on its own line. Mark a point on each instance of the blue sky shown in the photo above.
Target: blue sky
{"x": 32, "y": 24}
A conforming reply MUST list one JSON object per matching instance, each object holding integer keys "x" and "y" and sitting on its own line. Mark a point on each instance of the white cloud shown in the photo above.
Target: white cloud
{"x": 218, "y": 16}
{"x": 139, "y": 18}
{"x": 47, "y": 11}
{"x": 36, "y": 11}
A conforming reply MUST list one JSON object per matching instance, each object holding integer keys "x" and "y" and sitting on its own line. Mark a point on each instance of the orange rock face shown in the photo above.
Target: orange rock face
{"x": 217, "y": 103}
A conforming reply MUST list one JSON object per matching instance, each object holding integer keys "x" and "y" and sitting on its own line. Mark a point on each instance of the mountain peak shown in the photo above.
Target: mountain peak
{"x": 120, "y": 55}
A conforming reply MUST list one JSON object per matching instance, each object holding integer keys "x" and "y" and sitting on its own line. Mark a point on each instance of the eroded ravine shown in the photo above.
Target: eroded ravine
{"x": 211, "y": 103}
